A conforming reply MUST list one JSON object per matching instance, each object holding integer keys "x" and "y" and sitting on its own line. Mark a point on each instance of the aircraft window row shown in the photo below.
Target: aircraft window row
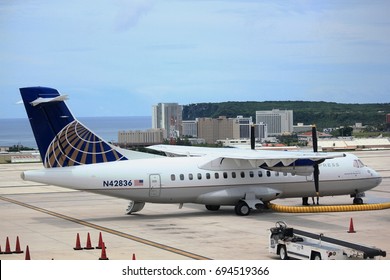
{"x": 225, "y": 175}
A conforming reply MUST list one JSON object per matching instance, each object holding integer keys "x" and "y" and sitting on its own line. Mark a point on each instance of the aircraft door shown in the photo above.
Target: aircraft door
{"x": 154, "y": 185}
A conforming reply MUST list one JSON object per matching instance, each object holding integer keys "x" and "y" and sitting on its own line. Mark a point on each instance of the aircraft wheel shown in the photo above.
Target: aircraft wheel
{"x": 134, "y": 207}
{"x": 242, "y": 209}
{"x": 283, "y": 253}
{"x": 213, "y": 207}
{"x": 357, "y": 200}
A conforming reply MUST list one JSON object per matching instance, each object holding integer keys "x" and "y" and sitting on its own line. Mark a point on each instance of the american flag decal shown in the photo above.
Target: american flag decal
{"x": 138, "y": 183}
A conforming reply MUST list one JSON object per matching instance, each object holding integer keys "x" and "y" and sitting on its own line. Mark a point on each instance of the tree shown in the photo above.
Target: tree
{"x": 343, "y": 131}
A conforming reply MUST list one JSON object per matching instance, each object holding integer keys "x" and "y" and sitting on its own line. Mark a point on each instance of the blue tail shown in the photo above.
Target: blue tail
{"x": 61, "y": 139}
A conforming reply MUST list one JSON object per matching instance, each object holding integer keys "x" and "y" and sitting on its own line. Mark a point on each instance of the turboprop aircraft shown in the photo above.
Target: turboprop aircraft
{"x": 75, "y": 157}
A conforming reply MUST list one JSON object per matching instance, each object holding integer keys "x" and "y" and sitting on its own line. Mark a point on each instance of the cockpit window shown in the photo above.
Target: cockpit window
{"x": 358, "y": 163}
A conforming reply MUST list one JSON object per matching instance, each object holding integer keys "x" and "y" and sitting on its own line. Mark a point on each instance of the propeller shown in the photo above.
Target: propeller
{"x": 316, "y": 173}
{"x": 253, "y": 137}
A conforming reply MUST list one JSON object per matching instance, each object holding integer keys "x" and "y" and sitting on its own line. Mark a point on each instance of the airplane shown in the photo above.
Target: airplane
{"x": 75, "y": 157}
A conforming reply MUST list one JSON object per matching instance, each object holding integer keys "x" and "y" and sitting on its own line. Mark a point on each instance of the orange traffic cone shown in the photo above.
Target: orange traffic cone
{"x": 351, "y": 228}
{"x": 103, "y": 255}
{"x": 133, "y": 257}
{"x": 7, "y": 247}
{"x": 27, "y": 254}
{"x": 17, "y": 248}
{"x": 100, "y": 244}
{"x": 78, "y": 244}
{"x": 88, "y": 246}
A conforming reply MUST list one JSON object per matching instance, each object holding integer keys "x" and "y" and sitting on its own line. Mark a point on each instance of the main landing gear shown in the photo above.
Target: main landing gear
{"x": 134, "y": 207}
{"x": 213, "y": 207}
{"x": 241, "y": 208}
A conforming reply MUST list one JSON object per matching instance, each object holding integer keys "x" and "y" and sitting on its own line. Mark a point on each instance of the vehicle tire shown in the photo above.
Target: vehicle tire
{"x": 213, "y": 207}
{"x": 242, "y": 209}
{"x": 283, "y": 253}
{"x": 316, "y": 257}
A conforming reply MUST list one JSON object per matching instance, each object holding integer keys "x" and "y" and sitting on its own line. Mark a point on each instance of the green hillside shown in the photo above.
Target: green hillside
{"x": 323, "y": 114}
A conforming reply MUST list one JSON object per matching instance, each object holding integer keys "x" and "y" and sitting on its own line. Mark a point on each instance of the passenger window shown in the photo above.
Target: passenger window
{"x": 225, "y": 175}
{"x": 173, "y": 177}
{"x": 284, "y": 173}
{"x": 277, "y": 174}
{"x": 199, "y": 176}
{"x": 242, "y": 174}
{"x": 268, "y": 173}
{"x": 182, "y": 177}
{"x": 216, "y": 175}
{"x": 251, "y": 174}
{"x": 190, "y": 176}
{"x": 260, "y": 174}
{"x": 208, "y": 176}
{"x": 233, "y": 174}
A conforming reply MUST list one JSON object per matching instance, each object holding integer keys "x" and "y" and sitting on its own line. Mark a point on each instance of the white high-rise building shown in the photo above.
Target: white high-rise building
{"x": 167, "y": 116}
{"x": 278, "y": 121}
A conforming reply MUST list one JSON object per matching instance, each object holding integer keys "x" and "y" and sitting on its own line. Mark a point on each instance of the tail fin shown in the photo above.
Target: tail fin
{"x": 62, "y": 140}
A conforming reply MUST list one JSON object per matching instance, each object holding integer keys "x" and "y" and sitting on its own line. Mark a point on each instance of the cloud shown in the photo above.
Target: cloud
{"x": 129, "y": 13}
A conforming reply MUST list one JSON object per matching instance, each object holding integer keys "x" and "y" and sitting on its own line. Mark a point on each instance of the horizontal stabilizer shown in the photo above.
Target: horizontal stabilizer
{"x": 41, "y": 100}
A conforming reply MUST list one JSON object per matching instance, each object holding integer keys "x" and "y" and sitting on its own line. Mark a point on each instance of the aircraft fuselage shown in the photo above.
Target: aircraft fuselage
{"x": 180, "y": 180}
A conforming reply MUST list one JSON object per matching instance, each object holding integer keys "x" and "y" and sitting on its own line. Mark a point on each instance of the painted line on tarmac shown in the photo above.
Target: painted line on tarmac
{"x": 108, "y": 230}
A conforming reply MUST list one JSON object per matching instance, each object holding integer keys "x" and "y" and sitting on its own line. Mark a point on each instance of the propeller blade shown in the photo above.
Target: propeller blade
{"x": 315, "y": 138}
{"x": 317, "y": 179}
{"x": 253, "y": 137}
{"x": 316, "y": 173}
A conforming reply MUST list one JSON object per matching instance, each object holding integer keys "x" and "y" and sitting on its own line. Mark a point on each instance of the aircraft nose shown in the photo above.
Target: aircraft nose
{"x": 375, "y": 175}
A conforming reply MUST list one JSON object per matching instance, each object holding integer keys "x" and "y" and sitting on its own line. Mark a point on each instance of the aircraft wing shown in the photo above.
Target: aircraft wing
{"x": 174, "y": 151}
{"x": 295, "y": 162}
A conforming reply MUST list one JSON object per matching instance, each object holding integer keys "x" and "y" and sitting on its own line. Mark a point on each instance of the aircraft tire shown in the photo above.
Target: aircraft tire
{"x": 134, "y": 207}
{"x": 358, "y": 201}
{"x": 213, "y": 207}
{"x": 242, "y": 209}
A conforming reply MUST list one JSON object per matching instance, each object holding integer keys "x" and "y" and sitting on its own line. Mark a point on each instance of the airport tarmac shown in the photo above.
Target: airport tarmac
{"x": 48, "y": 218}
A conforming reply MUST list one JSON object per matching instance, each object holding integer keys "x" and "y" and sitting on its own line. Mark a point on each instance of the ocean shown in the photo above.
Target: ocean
{"x": 18, "y": 131}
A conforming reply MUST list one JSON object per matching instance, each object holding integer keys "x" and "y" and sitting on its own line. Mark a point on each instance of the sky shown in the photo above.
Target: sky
{"x": 119, "y": 57}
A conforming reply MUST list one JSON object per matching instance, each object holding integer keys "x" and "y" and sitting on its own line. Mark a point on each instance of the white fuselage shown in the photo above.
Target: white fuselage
{"x": 180, "y": 180}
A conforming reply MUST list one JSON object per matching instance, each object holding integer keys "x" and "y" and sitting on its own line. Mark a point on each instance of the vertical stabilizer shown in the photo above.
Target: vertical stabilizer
{"x": 61, "y": 139}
